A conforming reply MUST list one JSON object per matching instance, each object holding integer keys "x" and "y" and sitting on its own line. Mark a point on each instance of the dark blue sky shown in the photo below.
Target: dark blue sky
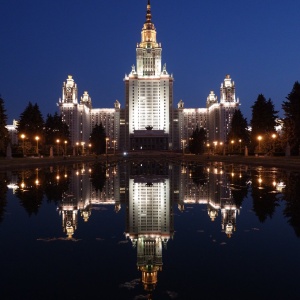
{"x": 43, "y": 41}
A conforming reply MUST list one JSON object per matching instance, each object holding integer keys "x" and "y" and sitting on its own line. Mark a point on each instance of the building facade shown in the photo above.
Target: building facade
{"x": 149, "y": 120}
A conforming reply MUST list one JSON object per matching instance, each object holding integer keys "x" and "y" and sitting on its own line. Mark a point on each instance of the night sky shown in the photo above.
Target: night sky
{"x": 43, "y": 41}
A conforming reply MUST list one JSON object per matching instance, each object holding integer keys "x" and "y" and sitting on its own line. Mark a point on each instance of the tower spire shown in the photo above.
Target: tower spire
{"x": 149, "y": 15}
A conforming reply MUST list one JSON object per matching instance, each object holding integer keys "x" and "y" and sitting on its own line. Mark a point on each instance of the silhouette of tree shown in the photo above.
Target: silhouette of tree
{"x": 31, "y": 121}
{"x": 263, "y": 120}
{"x": 291, "y": 127}
{"x": 31, "y": 124}
{"x": 55, "y": 129}
{"x": 4, "y": 135}
{"x": 197, "y": 141}
{"x": 239, "y": 129}
{"x": 98, "y": 139}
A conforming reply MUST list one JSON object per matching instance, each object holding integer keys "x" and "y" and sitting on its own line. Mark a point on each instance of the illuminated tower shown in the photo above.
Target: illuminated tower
{"x": 75, "y": 115}
{"x": 228, "y": 105}
{"x": 220, "y": 114}
{"x": 149, "y": 94}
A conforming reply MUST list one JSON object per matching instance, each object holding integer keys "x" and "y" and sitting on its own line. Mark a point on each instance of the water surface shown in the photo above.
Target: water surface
{"x": 150, "y": 229}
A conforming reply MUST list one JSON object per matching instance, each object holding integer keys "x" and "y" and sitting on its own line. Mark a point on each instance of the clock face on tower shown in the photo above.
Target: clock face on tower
{"x": 69, "y": 89}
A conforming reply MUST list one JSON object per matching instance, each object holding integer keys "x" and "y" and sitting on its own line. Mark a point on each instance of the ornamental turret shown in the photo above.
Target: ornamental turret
{"x": 228, "y": 90}
{"x": 69, "y": 91}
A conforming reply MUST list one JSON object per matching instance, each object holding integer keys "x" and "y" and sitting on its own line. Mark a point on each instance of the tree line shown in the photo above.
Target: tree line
{"x": 37, "y": 136}
{"x": 260, "y": 135}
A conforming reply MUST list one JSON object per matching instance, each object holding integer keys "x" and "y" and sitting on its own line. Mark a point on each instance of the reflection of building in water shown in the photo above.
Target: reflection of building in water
{"x": 82, "y": 197}
{"x": 209, "y": 186}
{"x": 150, "y": 221}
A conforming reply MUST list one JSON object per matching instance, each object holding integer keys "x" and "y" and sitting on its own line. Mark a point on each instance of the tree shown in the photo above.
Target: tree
{"x": 31, "y": 124}
{"x": 197, "y": 141}
{"x": 98, "y": 139}
{"x": 239, "y": 130}
{"x": 4, "y": 135}
{"x": 55, "y": 129}
{"x": 263, "y": 120}
{"x": 291, "y": 125}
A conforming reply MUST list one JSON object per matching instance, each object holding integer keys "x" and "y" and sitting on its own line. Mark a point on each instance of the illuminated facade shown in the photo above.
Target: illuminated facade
{"x": 148, "y": 121}
{"x": 81, "y": 117}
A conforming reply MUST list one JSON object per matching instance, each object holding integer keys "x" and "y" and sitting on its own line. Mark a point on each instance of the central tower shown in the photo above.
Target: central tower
{"x": 149, "y": 95}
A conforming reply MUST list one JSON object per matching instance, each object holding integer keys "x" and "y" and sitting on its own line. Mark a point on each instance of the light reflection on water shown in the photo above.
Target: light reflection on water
{"x": 145, "y": 229}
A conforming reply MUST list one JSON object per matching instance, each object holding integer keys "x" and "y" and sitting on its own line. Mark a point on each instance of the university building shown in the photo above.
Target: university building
{"x": 149, "y": 120}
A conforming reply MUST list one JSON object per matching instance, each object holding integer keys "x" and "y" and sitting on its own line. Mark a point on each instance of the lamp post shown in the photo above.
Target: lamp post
{"x": 90, "y": 147}
{"x": 240, "y": 141}
{"x": 77, "y": 144}
{"x": 259, "y": 139}
{"x": 114, "y": 141}
{"x": 106, "y": 142}
{"x": 23, "y": 145}
{"x": 37, "y": 144}
{"x": 232, "y": 142}
{"x": 274, "y": 136}
{"x": 222, "y": 149}
{"x": 183, "y": 146}
{"x": 82, "y": 144}
{"x": 66, "y": 142}
{"x": 215, "y": 146}
{"x": 57, "y": 142}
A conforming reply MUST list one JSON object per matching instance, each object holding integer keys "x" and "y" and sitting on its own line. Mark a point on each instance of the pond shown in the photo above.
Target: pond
{"x": 150, "y": 229}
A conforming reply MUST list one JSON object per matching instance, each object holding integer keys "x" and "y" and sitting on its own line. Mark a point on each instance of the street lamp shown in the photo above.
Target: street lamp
{"x": 106, "y": 142}
{"x": 66, "y": 142}
{"x": 37, "y": 144}
{"x": 23, "y": 146}
{"x": 259, "y": 139}
{"x": 57, "y": 141}
{"x": 77, "y": 144}
{"x": 240, "y": 141}
{"x": 274, "y": 136}
{"x": 82, "y": 144}
{"x": 114, "y": 141}
{"x": 215, "y": 146}
{"x": 183, "y": 146}
{"x": 90, "y": 146}
{"x": 232, "y": 142}
{"x": 222, "y": 149}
